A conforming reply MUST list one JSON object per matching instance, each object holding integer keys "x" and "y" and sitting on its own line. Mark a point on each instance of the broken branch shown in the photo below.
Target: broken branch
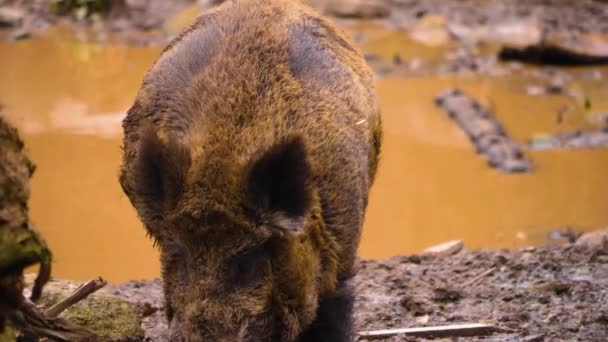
{"x": 454, "y": 330}
{"x": 81, "y": 293}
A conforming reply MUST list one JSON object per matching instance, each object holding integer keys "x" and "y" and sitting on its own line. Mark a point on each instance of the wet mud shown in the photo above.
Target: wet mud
{"x": 550, "y": 293}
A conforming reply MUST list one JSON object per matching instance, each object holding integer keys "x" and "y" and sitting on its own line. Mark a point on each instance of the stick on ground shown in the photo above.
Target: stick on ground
{"x": 81, "y": 293}
{"x": 35, "y": 323}
{"x": 479, "y": 277}
{"x": 455, "y": 330}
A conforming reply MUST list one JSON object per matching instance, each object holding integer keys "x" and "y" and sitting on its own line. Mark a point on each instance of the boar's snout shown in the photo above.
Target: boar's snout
{"x": 199, "y": 328}
{"x": 223, "y": 298}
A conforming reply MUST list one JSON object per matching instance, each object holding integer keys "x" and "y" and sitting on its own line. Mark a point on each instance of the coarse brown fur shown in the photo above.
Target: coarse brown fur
{"x": 248, "y": 154}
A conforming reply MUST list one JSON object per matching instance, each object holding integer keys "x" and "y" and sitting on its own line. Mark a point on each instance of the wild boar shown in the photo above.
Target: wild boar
{"x": 249, "y": 153}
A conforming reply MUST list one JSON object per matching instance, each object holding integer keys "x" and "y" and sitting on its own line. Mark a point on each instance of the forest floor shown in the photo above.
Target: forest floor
{"x": 551, "y": 293}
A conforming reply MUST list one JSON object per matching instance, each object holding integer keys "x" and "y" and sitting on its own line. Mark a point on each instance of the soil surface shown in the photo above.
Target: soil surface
{"x": 551, "y": 293}
{"x": 552, "y": 15}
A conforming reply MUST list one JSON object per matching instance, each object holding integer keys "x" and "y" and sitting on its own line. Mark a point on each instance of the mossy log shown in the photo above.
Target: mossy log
{"x": 20, "y": 245}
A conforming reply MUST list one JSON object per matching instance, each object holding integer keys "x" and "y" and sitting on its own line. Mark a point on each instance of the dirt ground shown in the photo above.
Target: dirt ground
{"x": 554, "y": 15}
{"x": 551, "y": 293}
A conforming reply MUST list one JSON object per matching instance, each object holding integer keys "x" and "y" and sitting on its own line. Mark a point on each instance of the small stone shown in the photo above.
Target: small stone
{"x": 446, "y": 248}
{"x": 415, "y": 64}
{"x": 11, "y": 17}
{"x": 353, "y": 8}
{"x": 20, "y": 34}
{"x": 148, "y": 310}
{"x": 595, "y": 238}
{"x": 534, "y": 90}
{"x": 526, "y": 256}
{"x": 423, "y": 319}
{"x": 544, "y": 300}
{"x": 447, "y": 295}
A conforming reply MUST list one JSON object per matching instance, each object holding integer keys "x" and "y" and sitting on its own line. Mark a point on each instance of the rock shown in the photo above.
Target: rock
{"x": 517, "y": 33}
{"x": 535, "y": 90}
{"x": 148, "y": 295}
{"x": 560, "y": 50}
{"x": 11, "y": 17}
{"x": 353, "y": 8}
{"x": 20, "y": 34}
{"x": 534, "y": 338}
{"x": 137, "y": 4}
{"x": 208, "y": 3}
{"x": 514, "y": 32}
{"x": 446, "y": 248}
{"x": 595, "y": 238}
{"x": 431, "y": 30}
{"x": 110, "y": 317}
{"x": 516, "y": 165}
{"x": 447, "y": 295}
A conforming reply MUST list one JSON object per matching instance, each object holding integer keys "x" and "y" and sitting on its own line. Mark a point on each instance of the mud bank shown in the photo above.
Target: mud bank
{"x": 534, "y": 294}
{"x": 466, "y": 19}
{"x": 551, "y": 15}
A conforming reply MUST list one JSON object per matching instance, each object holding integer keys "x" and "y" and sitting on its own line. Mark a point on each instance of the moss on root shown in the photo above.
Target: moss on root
{"x": 109, "y": 317}
{"x": 8, "y": 335}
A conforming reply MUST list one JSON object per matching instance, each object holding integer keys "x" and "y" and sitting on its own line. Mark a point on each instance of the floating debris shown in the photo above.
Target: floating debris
{"x": 484, "y": 131}
{"x": 570, "y": 140}
{"x": 560, "y": 50}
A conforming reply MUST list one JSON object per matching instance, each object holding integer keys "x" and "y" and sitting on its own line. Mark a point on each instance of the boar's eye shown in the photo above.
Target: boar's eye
{"x": 246, "y": 268}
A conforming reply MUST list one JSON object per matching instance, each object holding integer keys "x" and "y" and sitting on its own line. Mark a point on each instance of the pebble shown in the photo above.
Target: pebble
{"x": 446, "y": 248}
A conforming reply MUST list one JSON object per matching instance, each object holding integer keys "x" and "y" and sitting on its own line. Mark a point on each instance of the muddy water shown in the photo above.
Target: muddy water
{"x": 68, "y": 99}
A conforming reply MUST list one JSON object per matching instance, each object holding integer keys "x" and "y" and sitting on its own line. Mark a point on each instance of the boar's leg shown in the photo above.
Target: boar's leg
{"x": 334, "y": 317}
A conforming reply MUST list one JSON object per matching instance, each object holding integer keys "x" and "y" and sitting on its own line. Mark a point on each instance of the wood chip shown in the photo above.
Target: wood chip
{"x": 446, "y": 248}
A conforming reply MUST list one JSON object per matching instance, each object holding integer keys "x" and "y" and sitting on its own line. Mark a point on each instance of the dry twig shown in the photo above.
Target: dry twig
{"x": 82, "y": 292}
{"x": 455, "y": 330}
{"x": 479, "y": 277}
{"x": 32, "y": 321}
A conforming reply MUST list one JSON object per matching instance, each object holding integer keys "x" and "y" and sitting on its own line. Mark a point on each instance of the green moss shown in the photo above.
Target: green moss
{"x": 110, "y": 317}
{"x": 8, "y": 335}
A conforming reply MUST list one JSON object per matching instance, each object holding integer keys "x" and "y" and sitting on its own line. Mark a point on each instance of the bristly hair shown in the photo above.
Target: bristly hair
{"x": 279, "y": 180}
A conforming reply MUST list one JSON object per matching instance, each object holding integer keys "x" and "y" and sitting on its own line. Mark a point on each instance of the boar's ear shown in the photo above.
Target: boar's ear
{"x": 159, "y": 173}
{"x": 279, "y": 182}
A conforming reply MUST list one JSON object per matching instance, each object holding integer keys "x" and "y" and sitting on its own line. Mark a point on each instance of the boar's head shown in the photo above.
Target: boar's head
{"x": 243, "y": 249}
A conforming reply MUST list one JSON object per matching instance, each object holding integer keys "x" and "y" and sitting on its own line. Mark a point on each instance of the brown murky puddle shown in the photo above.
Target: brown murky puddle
{"x": 68, "y": 99}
